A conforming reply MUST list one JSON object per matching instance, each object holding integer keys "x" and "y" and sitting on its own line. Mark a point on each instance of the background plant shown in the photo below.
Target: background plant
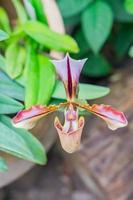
{"x": 24, "y": 69}
{"x": 27, "y": 76}
{"x": 103, "y": 30}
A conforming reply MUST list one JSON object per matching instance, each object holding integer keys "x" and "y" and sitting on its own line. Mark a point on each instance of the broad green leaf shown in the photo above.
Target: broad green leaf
{"x": 39, "y": 9}
{"x": 17, "y": 35}
{"x": 72, "y": 7}
{"x": 3, "y": 35}
{"x": 46, "y": 80}
{"x": 9, "y": 105}
{"x": 2, "y": 62}
{"x": 129, "y": 6}
{"x": 72, "y": 21}
{"x": 123, "y": 39}
{"x": 119, "y": 11}
{"x": 11, "y": 56}
{"x": 81, "y": 41}
{"x": 15, "y": 60}
{"x": 31, "y": 90}
{"x": 86, "y": 91}
{"x": 4, "y": 76}
{"x": 22, "y": 79}
{"x": 4, "y": 21}
{"x": 131, "y": 52}
{"x": 50, "y": 39}
{"x": 12, "y": 90}
{"x": 97, "y": 66}
{"x": 20, "y": 11}
{"x": 3, "y": 165}
{"x": 97, "y": 21}
{"x": 18, "y": 89}
{"x": 20, "y": 142}
{"x": 20, "y": 61}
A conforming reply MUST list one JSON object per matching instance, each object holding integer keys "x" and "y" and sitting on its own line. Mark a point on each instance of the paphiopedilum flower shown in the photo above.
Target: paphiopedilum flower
{"x": 70, "y": 132}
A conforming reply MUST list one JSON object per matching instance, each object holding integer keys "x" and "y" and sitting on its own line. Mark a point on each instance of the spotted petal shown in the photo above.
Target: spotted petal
{"x": 114, "y": 118}
{"x": 28, "y": 118}
{"x": 69, "y": 71}
{"x": 70, "y": 133}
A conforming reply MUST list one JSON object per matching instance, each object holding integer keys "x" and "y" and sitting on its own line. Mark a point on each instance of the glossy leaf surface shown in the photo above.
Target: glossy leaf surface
{"x": 46, "y": 80}
{"x": 3, "y": 35}
{"x": 50, "y": 39}
{"x": 32, "y": 82}
{"x": 15, "y": 60}
{"x": 9, "y": 105}
{"x": 20, "y": 143}
{"x": 4, "y": 21}
{"x": 2, "y": 62}
{"x": 95, "y": 25}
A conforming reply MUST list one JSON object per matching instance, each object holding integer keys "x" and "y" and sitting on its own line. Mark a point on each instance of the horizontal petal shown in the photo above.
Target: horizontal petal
{"x": 69, "y": 71}
{"x": 114, "y": 118}
{"x": 27, "y": 118}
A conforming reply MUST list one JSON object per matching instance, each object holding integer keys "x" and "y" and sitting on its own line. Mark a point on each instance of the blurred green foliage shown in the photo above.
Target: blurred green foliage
{"x": 27, "y": 76}
{"x": 3, "y": 165}
{"x": 103, "y": 30}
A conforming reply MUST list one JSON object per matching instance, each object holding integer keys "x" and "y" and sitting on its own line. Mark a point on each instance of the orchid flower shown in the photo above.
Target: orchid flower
{"x": 70, "y": 132}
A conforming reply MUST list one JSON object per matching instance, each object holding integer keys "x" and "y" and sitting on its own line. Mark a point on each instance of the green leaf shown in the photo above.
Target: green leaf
{"x": 50, "y": 39}
{"x": 81, "y": 41}
{"x": 20, "y": 142}
{"x": 11, "y": 55}
{"x": 3, "y": 35}
{"x": 72, "y": 7}
{"x": 3, "y": 165}
{"x": 72, "y": 21}
{"x": 96, "y": 66}
{"x": 17, "y": 35}
{"x": 20, "y": 11}
{"x": 39, "y": 9}
{"x": 12, "y": 90}
{"x": 4, "y": 21}
{"x": 86, "y": 91}
{"x": 129, "y": 6}
{"x": 4, "y": 76}
{"x": 97, "y": 21}
{"x": 31, "y": 92}
{"x": 9, "y": 105}
{"x": 10, "y": 87}
{"x": 131, "y": 52}
{"x": 2, "y": 62}
{"x": 15, "y": 60}
{"x": 119, "y": 11}
{"x": 123, "y": 39}
{"x": 46, "y": 80}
